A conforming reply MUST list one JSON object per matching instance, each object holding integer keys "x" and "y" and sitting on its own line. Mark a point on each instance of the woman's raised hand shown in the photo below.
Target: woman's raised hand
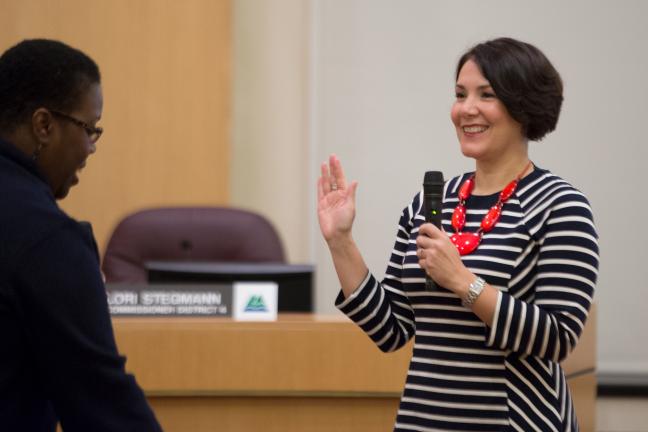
{"x": 335, "y": 201}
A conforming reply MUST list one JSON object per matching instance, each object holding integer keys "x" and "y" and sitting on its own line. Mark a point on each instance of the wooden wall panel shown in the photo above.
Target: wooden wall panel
{"x": 166, "y": 80}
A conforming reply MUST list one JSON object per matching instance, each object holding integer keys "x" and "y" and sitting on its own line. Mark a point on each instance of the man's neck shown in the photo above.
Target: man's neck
{"x": 17, "y": 138}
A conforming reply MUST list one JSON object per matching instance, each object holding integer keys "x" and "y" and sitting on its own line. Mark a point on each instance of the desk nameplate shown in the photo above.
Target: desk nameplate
{"x": 170, "y": 299}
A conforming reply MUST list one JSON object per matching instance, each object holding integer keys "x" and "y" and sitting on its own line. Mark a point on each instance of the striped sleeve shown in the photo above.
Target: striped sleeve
{"x": 549, "y": 324}
{"x": 382, "y": 310}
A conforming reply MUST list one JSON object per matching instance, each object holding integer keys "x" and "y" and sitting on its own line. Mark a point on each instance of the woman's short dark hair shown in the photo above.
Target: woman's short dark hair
{"x": 523, "y": 79}
{"x": 42, "y": 73}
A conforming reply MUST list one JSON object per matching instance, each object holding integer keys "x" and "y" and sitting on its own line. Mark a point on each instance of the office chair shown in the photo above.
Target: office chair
{"x": 188, "y": 234}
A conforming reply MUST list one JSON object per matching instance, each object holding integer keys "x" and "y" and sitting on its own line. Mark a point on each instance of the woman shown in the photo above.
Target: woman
{"x": 517, "y": 260}
{"x": 59, "y": 359}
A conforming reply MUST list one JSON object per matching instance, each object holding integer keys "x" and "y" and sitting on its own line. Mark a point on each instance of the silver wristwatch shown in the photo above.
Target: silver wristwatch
{"x": 473, "y": 292}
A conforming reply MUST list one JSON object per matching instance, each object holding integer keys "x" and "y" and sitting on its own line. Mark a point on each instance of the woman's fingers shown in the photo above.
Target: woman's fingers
{"x": 430, "y": 242}
{"x": 430, "y": 230}
{"x": 352, "y": 190}
{"x": 325, "y": 180}
{"x": 337, "y": 173}
{"x": 332, "y": 177}
{"x": 320, "y": 189}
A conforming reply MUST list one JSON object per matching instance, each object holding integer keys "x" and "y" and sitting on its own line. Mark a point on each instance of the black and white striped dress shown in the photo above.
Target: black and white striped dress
{"x": 465, "y": 376}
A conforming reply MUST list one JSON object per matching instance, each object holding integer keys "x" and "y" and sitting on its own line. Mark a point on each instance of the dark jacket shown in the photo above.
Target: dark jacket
{"x": 58, "y": 357}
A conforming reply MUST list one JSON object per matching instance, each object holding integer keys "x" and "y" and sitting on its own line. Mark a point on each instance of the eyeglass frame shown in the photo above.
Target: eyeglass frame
{"x": 90, "y": 130}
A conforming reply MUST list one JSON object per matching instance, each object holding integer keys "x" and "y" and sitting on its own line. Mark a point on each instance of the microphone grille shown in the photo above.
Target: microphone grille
{"x": 433, "y": 178}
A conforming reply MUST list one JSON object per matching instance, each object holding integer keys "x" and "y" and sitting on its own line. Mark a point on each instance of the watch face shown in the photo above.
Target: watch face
{"x": 473, "y": 292}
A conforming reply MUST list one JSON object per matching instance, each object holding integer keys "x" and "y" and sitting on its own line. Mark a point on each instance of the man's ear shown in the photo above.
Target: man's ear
{"x": 42, "y": 125}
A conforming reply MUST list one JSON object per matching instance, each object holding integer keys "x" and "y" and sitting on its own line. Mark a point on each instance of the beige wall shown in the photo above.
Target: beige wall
{"x": 270, "y": 147}
{"x": 166, "y": 80}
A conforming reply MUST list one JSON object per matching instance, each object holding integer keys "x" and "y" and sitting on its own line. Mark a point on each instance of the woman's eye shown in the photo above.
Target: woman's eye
{"x": 488, "y": 95}
{"x": 459, "y": 95}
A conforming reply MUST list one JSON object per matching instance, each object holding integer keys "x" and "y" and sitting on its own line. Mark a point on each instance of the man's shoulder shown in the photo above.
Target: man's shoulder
{"x": 29, "y": 214}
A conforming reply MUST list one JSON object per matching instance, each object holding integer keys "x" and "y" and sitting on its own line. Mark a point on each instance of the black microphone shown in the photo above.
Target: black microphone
{"x": 432, "y": 202}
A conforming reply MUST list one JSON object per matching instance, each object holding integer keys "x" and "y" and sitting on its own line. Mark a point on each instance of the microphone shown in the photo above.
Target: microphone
{"x": 432, "y": 202}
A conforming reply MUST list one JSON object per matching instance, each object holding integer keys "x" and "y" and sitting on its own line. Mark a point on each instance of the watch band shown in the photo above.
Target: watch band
{"x": 474, "y": 291}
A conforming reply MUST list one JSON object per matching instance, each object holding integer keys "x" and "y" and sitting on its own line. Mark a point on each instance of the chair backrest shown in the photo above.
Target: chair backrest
{"x": 188, "y": 234}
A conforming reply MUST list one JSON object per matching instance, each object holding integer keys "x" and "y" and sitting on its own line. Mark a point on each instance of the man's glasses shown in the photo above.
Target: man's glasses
{"x": 93, "y": 132}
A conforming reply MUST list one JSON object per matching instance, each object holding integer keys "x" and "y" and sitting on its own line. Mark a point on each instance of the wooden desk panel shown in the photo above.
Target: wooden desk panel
{"x": 303, "y": 372}
{"x": 297, "y": 354}
{"x": 276, "y": 414}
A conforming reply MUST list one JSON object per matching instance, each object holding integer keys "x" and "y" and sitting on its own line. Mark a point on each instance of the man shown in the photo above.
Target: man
{"x": 59, "y": 359}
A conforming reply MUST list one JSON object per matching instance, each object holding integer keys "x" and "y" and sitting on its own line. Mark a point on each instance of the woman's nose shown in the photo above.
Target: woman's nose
{"x": 469, "y": 107}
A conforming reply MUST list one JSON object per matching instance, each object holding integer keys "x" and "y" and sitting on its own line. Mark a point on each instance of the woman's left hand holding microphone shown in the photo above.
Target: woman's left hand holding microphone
{"x": 440, "y": 260}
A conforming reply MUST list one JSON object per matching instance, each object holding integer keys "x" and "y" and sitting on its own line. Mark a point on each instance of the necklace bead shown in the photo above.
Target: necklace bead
{"x": 459, "y": 217}
{"x": 466, "y": 242}
{"x": 467, "y": 188}
{"x": 491, "y": 218}
{"x": 508, "y": 190}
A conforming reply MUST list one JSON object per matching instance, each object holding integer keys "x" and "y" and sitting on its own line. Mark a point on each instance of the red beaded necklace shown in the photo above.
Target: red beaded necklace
{"x": 467, "y": 242}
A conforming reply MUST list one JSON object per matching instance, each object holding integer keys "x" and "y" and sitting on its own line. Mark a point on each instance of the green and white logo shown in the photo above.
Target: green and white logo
{"x": 255, "y": 301}
{"x": 256, "y": 304}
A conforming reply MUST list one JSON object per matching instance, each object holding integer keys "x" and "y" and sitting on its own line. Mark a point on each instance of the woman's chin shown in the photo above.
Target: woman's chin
{"x": 471, "y": 151}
